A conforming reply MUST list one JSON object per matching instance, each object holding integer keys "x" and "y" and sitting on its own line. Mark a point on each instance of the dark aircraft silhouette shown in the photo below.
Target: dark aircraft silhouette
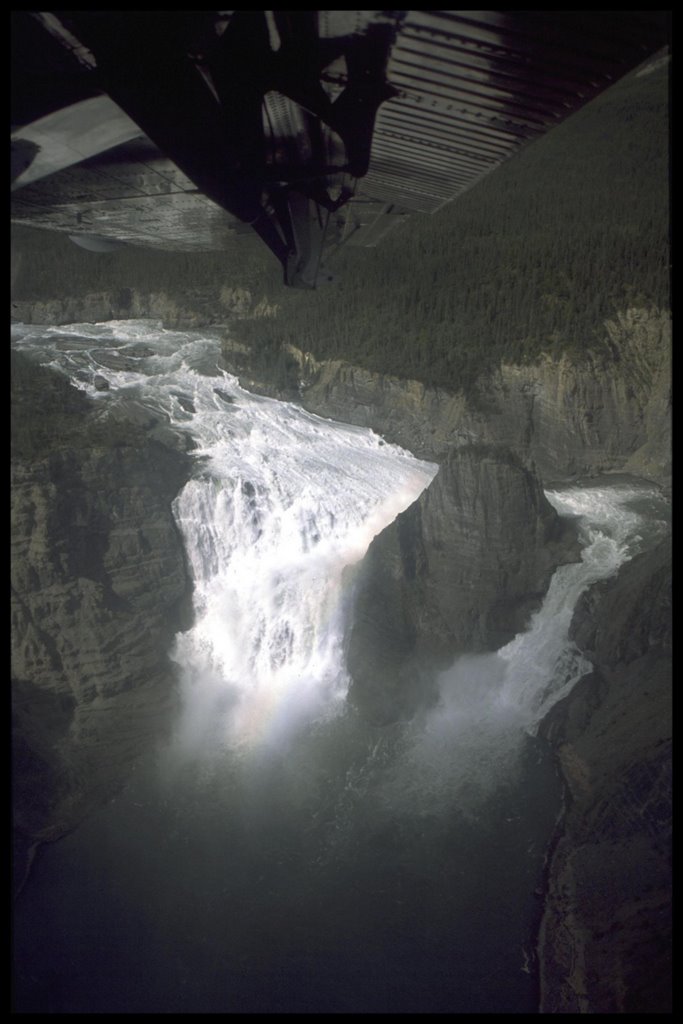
{"x": 313, "y": 129}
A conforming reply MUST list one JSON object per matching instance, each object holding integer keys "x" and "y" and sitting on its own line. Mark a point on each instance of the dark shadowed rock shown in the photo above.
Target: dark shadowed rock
{"x": 460, "y": 570}
{"x": 571, "y": 415}
{"x": 605, "y": 942}
{"x": 99, "y": 588}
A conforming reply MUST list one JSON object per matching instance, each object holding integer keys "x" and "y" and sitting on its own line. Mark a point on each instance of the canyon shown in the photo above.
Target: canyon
{"x": 100, "y": 587}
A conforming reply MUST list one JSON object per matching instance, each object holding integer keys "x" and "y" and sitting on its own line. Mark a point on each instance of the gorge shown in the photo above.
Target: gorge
{"x": 293, "y": 768}
{"x": 412, "y": 766}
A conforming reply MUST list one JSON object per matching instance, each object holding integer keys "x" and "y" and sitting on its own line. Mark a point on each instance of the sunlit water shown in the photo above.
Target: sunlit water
{"x": 279, "y": 855}
{"x": 282, "y": 502}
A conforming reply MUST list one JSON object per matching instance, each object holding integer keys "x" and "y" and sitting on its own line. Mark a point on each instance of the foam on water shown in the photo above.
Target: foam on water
{"x": 357, "y": 869}
{"x": 283, "y": 502}
{"x": 463, "y": 749}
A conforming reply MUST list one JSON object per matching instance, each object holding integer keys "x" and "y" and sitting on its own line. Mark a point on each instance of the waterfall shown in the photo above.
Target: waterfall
{"x": 284, "y": 504}
{"x": 542, "y": 664}
{"x": 286, "y": 856}
{"x": 281, "y": 504}
{"x": 462, "y": 750}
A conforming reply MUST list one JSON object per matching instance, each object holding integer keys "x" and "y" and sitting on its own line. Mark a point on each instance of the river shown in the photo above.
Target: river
{"x": 278, "y": 854}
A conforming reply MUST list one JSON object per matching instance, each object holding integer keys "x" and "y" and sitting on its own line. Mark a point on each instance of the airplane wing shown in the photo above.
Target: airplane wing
{"x": 310, "y": 130}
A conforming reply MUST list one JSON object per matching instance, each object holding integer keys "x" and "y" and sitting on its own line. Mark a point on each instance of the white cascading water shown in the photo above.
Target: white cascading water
{"x": 542, "y": 665}
{"x": 284, "y": 503}
{"x": 281, "y": 503}
{"x": 461, "y": 750}
{"x": 321, "y": 864}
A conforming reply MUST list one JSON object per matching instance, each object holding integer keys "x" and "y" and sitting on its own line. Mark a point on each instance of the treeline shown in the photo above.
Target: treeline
{"x": 532, "y": 260}
{"x": 51, "y": 266}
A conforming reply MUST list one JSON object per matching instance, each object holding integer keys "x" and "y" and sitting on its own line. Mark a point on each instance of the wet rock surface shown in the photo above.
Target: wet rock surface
{"x": 460, "y": 570}
{"x": 571, "y": 416}
{"x": 99, "y": 588}
{"x": 605, "y": 941}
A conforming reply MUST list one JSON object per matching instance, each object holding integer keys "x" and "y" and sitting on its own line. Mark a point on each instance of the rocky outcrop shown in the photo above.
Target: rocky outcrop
{"x": 573, "y": 415}
{"x": 184, "y": 311}
{"x": 95, "y": 606}
{"x": 605, "y": 939}
{"x": 460, "y": 570}
{"x": 99, "y": 588}
{"x": 595, "y": 413}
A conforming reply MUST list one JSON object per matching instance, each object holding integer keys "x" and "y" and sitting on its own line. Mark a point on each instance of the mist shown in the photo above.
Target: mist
{"x": 277, "y": 853}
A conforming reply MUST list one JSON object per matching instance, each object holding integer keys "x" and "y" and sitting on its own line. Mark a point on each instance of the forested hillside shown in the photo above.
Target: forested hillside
{"x": 531, "y": 260}
{"x": 47, "y": 265}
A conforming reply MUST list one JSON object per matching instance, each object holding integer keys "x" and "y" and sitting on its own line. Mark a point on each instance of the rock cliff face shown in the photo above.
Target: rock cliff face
{"x": 606, "y": 935}
{"x": 571, "y": 416}
{"x": 460, "y": 570}
{"x": 99, "y": 587}
{"x": 192, "y": 309}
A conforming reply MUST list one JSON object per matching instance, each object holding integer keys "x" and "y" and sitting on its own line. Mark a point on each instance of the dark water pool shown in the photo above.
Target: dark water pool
{"x": 289, "y": 885}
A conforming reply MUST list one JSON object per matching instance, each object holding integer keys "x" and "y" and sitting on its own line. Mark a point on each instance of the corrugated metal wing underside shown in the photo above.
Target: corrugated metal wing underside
{"x": 473, "y": 87}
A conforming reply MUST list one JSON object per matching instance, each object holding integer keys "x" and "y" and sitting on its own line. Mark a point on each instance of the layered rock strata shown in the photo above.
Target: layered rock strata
{"x": 188, "y": 311}
{"x": 460, "y": 570}
{"x": 605, "y": 941}
{"x": 570, "y": 415}
{"x": 99, "y": 588}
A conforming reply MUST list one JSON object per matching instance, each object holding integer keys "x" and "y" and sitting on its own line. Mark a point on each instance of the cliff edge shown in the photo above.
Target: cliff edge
{"x": 461, "y": 570}
{"x": 99, "y": 588}
{"x": 605, "y": 939}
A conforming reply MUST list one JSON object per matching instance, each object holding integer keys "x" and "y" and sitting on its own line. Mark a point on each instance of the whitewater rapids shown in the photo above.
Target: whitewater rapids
{"x": 281, "y": 855}
{"x": 281, "y": 504}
